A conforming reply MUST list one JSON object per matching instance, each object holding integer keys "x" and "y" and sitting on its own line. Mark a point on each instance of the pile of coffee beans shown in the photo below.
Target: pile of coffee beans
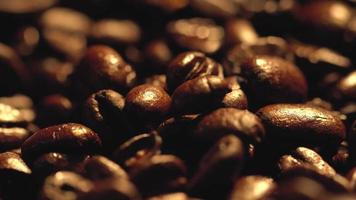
{"x": 178, "y": 100}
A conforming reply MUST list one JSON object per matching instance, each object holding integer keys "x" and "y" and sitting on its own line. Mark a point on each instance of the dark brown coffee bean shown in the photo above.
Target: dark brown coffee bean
{"x": 24, "y": 6}
{"x": 213, "y": 8}
{"x": 302, "y": 124}
{"x": 137, "y": 149}
{"x": 274, "y": 80}
{"x": 236, "y": 98}
{"x": 240, "y": 31}
{"x": 303, "y": 156}
{"x": 159, "y": 175}
{"x": 198, "y": 34}
{"x": 70, "y": 138}
{"x": 54, "y": 109}
{"x": 240, "y": 53}
{"x": 199, "y": 95}
{"x": 147, "y": 104}
{"x": 99, "y": 167}
{"x": 169, "y": 5}
{"x": 65, "y": 31}
{"x": 230, "y": 121}
{"x": 340, "y": 160}
{"x": 102, "y": 68}
{"x": 190, "y": 65}
{"x": 64, "y": 185}
{"x": 158, "y": 54}
{"x": 252, "y": 188}
{"x": 218, "y": 167}
{"x": 112, "y": 189}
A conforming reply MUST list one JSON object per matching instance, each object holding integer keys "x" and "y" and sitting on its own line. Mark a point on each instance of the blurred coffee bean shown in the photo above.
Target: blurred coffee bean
{"x": 349, "y": 110}
{"x": 318, "y": 102}
{"x": 190, "y": 65}
{"x": 65, "y": 31}
{"x": 168, "y": 5}
{"x": 158, "y": 54}
{"x": 352, "y": 143}
{"x": 301, "y": 124}
{"x": 351, "y": 176}
{"x": 172, "y": 196}
{"x": 215, "y": 8}
{"x": 67, "y": 138}
{"x": 273, "y": 80}
{"x": 26, "y": 40}
{"x": 198, "y": 95}
{"x": 99, "y": 167}
{"x": 104, "y": 112}
{"x": 115, "y": 32}
{"x": 137, "y": 149}
{"x": 147, "y": 105}
{"x": 25, "y": 6}
{"x": 252, "y": 188}
{"x": 218, "y": 168}
{"x": 340, "y": 160}
{"x": 159, "y": 175}
{"x": 111, "y": 189}
{"x": 240, "y": 53}
{"x": 303, "y": 156}
{"x": 198, "y": 34}
{"x": 103, "y": 68}
{"x": 240, "y": 31}
{"x": 64, "y": 185}
{"x": 23, "y": 103}
{"x": 346, "y": 88}
{"x": 158, "y": 80}
{"x": 54, "y": 109}
{"x": 242, "y": 123}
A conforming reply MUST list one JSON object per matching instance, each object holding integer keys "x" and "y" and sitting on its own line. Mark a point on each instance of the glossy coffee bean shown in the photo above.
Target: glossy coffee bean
{"x": 303, "y": 156}
{"x": 217, "y": 168}
{"x": 102, "y": 68}
{"x": 252, "y": 187}
{"x": 100, "y": 167}
{"x": 199, "y": 95}
{"x": 274, "y": 80}
{"x": 64, "y": 185}
{"x": 224, "y": 121}
{"x": 23, "y": 103}
{"x": 237, "y": 97}
{"x": 198, "y": 34}
{"x": 302, "y": 124}
{"x": 159, "y": 175}
{"x": 10, "y": 161}
{"x": 190, "y": 65}
{"x": 113, "y": 189}
{"x": 25, "y": 7}
{"x": 103, "y": 111}
{"x": 55, "y": 109}
{"x": 138, "y": 149}
{"x": 147, "y": 103}
{"x": 70, "y": 138}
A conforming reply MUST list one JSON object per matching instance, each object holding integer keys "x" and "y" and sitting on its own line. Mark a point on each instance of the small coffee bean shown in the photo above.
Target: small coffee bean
{"x": 198, "y": 34}
{"x": 230, "y": 121}
{"x": 199, "y": 95}
{"x": 190, "y": 65}
{"x": 274, "y": 80}
{"x": 147, "y": 103}
{"x": 302, "y": 124}
{"x": 70, "y": 138}
{"x": 252, "y": 188}
{"x": 64, "y": 185}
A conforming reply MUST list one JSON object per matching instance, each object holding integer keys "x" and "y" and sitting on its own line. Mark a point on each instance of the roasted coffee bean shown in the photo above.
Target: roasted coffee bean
{"x": 65, "y": 31}
{"x": 318, "y": 102}
{"x": 240, "y": 31}
{"x": 213, "y": 8}
{"x": 55, "y": 109}
{"x": 23, "y": 103}
{"x": 172, "y": 196}
{"x": 230, "y": 121}
{"x": 217, "y": 168}
{"x": 64, "y": 185}
{"x": 159, "y": 175}
{"x": 273, "y": 80}
{"x": 252, "y": 188}
{"x": 199, "y": 95}
{"x": 26, "y": 40}
{"x": 99, "y": 167}
{"x": 169, "y": 5}
{"x": 15, "y": 182}
{"x": 351, "y": 176}
{"x": 302, "y": 124}
{"x": 158, "y": 54}
{"x": 147, "y": 104}
{"x": 104, "y": 112}
{"x": 236, "y": 98}
{"x": 190, "y": 65}
{"x": 68, "y": 138}
{"x": 112, "y": 189}
{"x": 115, "y": 32}
{"x": 102, "y": 68}
{"x": 240, "y": 53}
{"x": 137, "y": 149}
{"x": 340, "y": 160}
{"x": 158, "y": 80}
{"x": 24, "y": 6}
{"x": 346, "y": 88}
{"x": 303, "y": 156}
{"x": 198, "y": 34}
